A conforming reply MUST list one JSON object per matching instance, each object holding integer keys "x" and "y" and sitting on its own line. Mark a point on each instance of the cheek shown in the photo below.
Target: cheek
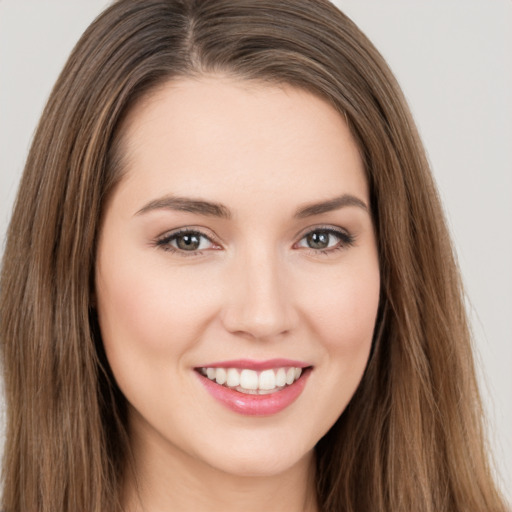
{"x": 144, "y": 309}
{"x": 343, "y": 312}
{"x": 341, "y": 318}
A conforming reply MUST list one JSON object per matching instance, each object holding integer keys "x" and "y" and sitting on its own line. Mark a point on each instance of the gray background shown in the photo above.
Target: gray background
{"x": 453, "y": 60}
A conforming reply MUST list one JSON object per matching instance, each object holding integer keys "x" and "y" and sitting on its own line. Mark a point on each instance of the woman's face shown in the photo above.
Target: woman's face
{"x": 237, "y": 251}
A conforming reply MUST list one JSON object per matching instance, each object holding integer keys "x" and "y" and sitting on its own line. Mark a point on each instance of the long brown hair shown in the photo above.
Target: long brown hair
{"x": 411, "y": 438}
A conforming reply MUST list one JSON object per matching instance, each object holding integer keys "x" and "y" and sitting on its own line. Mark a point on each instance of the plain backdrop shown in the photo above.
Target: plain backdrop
{"x": 453, "y": 59}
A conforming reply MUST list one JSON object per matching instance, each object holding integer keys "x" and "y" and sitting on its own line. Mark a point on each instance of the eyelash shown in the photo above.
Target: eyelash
{"x": 346, "y": 240}
{"x": 164, "y": 242}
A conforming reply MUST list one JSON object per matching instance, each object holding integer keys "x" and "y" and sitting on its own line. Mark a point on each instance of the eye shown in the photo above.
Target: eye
{"x": 186, "y": 241}
{"x": 326, "y": 240}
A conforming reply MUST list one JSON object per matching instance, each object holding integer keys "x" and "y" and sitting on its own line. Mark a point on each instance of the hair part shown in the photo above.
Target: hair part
{"x": 411, "y": 437}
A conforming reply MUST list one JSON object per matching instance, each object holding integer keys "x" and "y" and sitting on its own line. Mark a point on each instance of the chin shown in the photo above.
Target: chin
{"x": 254, "y": 460}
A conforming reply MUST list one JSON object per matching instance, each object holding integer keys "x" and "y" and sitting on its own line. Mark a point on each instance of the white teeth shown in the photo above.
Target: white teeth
{"x": 233, "y": 379}
{"x": 220, "y": 376}
{"x": 251, "y": 381}
{"x": 267, "y": 380}
{"x": 281, "y": 378}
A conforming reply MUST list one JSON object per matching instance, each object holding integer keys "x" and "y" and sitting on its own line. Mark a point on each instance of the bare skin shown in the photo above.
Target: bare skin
{"x": 240, "y": 231}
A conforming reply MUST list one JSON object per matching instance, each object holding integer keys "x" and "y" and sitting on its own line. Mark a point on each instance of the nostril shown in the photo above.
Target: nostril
{"x": 241, "y": 320}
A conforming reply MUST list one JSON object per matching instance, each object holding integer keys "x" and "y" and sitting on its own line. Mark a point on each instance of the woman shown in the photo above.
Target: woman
{"x": 228, "y": 282}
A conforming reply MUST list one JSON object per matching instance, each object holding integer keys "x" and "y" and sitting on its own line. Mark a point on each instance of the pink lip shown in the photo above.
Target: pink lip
{"x": 256, "y": 405}
{"x": 257, "y": 365}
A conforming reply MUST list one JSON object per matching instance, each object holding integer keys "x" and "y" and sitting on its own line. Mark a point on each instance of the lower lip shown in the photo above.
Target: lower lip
{"x": 256, "y": 405}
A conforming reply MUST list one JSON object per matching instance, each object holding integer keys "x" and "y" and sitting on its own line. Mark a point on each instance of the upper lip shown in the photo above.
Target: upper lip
{"x": 256, "y": 365}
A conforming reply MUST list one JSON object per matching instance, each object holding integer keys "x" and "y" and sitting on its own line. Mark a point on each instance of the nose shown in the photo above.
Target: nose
{"x": 259, "y": 298}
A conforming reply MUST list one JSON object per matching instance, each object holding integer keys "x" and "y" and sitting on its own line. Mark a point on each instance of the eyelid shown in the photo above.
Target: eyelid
{"x": 322, "y": 227}
{"x": 347, "y": 239}
{"x": 163, "y": 241}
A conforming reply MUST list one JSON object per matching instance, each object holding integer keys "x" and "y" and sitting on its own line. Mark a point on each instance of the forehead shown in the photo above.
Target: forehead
{"x": 221, "y": 136}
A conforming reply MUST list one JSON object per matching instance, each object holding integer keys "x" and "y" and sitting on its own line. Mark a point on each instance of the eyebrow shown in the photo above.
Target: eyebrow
{"x": 185, "y": 204}
{"x": 330, "y": 205}
{"x": 211, "y": 209}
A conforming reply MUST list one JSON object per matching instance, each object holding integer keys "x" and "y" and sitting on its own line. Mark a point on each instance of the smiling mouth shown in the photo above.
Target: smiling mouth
{"x": 252, "y": 382}
{"x": 255, "y": 388}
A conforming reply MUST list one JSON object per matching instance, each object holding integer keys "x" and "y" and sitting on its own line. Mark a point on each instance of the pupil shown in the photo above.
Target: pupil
{"x": 188, "y": 242}
{"x": 318, "y": 240}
